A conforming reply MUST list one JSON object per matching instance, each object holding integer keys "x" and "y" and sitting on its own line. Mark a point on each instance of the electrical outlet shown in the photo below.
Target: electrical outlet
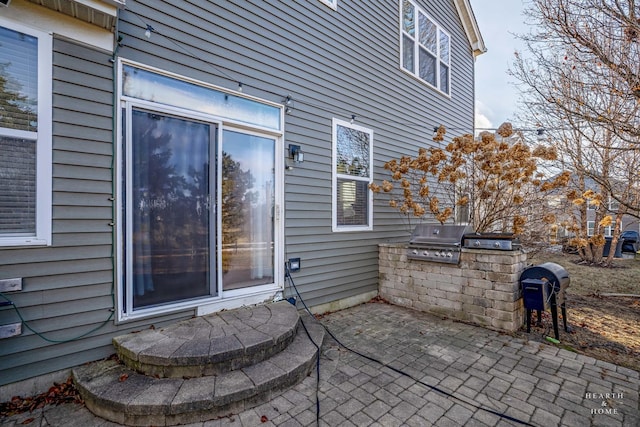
{"x": 8, "y": 331}
{"x": 10, "y": 285}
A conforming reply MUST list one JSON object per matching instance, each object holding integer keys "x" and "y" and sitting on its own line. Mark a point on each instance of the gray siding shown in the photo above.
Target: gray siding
{"x": 67, "y": 287}
{"x": 333, "y": 64}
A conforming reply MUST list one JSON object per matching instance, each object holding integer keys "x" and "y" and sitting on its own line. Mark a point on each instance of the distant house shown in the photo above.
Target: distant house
{"x": 161, "y": 160}
{"x": 612, "y": 206}
{"x": 609, "y": 207}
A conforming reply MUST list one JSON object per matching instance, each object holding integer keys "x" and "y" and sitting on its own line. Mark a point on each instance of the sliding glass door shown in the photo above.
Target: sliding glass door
{"x": 201, "y": 188}
{"x": 248, "y": 206}
{"x": 199, "y": 211}
{"x": 170, "y": 230}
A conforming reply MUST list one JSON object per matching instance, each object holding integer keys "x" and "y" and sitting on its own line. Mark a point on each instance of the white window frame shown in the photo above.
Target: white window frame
{"x": 591, "y": 229}
{"x": 224, "y": 299}
{"x": 416, "y": 48}
{"x": 614, "y": 205}
{"x": 42, "y": 235}
{"x": 336, "y": 175}
{"x": 333, "y": 4}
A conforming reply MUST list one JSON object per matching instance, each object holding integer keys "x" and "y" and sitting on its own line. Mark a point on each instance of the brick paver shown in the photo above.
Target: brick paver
{"x": 488, "y": 374}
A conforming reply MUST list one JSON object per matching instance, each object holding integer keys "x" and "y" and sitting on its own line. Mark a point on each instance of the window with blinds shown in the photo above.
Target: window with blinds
{"x": 352, "y": 153}
{"x": 25, "y": 144}
{"x": 17, "y": 186}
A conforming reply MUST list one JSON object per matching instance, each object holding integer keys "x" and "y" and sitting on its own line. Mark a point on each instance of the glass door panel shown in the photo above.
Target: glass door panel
{"x": 170, "y": 227}
{"x": 248, "y": 202}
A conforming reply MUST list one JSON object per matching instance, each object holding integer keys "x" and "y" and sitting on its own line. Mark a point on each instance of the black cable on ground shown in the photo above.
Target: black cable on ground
{"x": 288, "y": 275}
{"x": 396, "y": 370}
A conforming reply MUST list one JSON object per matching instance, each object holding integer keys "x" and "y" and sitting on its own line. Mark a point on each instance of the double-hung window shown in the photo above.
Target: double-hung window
{"x": 425, "y": 48}
{"x": 25, "y": 135}
{"x": 352, "y": 154}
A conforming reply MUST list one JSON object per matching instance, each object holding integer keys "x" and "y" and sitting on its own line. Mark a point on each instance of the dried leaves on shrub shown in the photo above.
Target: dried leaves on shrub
{"x": 492, "y": 174}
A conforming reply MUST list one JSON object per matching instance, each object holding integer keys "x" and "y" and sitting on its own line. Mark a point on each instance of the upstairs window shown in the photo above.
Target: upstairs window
{"x": 352, "y": 154}
{"x": 25, "y": 135}
{"x": 425, "y": 47}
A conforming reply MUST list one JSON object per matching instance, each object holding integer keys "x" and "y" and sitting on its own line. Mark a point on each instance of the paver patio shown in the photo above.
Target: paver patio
{"x": 485, "y": 372}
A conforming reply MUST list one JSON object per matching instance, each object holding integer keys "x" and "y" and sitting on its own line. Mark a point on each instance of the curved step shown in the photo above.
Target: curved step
{"x": 119, "y": 394}
{"x": 212, "y": 344}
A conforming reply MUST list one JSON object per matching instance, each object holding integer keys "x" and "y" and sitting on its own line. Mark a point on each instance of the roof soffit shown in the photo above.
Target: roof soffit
{"x": 102, "y": 13}
{"x": 470, "y": 26}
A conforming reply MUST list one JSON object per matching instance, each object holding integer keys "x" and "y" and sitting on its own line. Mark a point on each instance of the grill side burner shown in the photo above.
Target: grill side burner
{"x": 496, "y": 241}
{"x": 437, "y": 242}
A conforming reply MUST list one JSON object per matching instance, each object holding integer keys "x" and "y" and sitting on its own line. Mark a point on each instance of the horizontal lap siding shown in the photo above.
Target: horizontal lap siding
{"x": 67, "y": 287}
{"x": 402, "y": 113}
{"x": 333, "y": 64}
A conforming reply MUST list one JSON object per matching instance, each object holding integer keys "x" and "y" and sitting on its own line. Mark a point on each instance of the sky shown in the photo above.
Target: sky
{"x": 496, "y": 96}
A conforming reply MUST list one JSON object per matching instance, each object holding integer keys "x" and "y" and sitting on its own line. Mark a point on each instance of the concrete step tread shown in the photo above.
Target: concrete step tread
{"x": 211, "y": 344}
{"x": 119, "y": 394}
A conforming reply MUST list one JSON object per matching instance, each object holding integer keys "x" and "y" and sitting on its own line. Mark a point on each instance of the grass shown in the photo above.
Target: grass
{"x": 603, "y": 327}
{"x": 623, "y": 277}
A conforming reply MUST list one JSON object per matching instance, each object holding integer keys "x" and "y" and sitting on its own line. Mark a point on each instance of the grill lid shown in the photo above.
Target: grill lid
{"x": 435, "y": 234}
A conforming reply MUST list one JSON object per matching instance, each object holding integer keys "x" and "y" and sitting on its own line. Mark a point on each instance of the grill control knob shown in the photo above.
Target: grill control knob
{"x": 425, "y": 253}
{"x": 496, "y": 245}
{"x": 449, "y": 255}
{"x": 476, "y": 243}
{"x": 415, "y": 252}
{"x": 437, "y": 254}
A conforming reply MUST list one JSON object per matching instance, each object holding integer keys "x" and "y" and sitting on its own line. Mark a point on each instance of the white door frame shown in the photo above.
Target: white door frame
{"x": 223, "y": 299}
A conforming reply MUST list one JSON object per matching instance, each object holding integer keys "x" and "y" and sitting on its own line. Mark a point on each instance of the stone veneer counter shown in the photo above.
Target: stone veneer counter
{"x": 483, "y": 289}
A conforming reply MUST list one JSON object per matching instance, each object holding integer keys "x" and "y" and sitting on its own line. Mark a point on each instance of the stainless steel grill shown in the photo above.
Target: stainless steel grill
{"x": 437, "y": 242}
{"x": 496, "y": 241}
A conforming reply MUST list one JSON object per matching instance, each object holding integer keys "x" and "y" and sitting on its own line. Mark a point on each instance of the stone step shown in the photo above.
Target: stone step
{"x": 211, "y": 344}
{"x": 121, "y": 395}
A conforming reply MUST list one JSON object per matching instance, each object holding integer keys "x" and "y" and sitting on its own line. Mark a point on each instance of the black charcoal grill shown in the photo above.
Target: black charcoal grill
{"x": 544, "y": 286}
{"x": 437, "y": 242}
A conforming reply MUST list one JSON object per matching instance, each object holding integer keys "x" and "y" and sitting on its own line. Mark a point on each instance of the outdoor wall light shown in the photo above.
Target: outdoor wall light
{"x": 148, "y": 31}
{"x": 294, "y": 264}
{"x": 295, "y": 153}
{"x": 288, "y": 104}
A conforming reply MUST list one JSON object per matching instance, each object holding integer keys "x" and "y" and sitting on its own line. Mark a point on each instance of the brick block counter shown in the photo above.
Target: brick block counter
{"x": 483, "y": 289}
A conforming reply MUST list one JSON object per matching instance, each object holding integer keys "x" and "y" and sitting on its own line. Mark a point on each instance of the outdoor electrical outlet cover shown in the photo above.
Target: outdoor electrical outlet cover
{"x": 11, "y": 285}
{"x": 294, "y": 264}
{"x": 12, "y": 330}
